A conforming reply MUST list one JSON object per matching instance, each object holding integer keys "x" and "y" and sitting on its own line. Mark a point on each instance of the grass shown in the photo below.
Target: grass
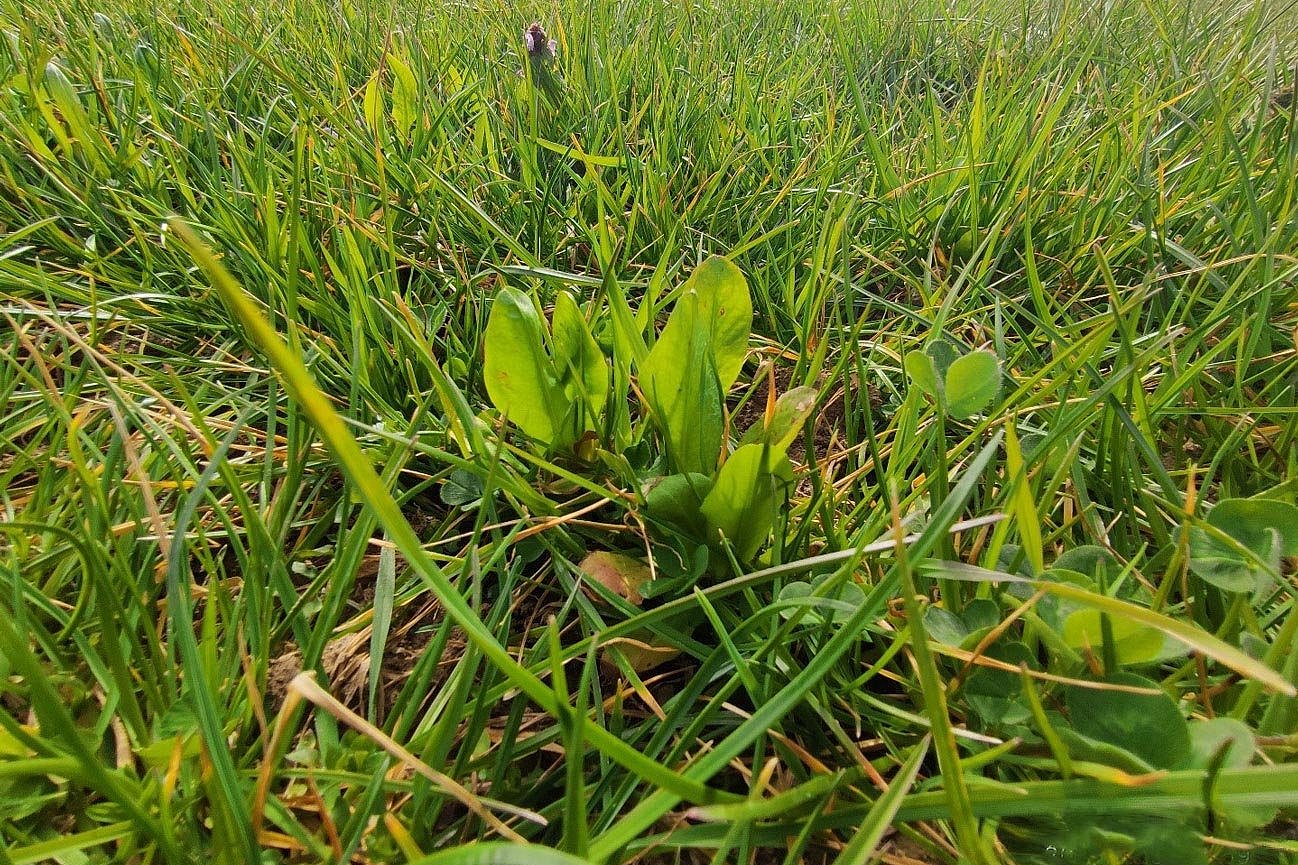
{"x": 281, "y": 585}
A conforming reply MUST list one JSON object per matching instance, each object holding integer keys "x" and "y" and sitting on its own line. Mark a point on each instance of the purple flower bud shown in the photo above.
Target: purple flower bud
{"x": 539, "y": 47}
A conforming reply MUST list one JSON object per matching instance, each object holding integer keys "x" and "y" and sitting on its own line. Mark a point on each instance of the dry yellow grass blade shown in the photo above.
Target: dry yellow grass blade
{"x": 304, "y": 686}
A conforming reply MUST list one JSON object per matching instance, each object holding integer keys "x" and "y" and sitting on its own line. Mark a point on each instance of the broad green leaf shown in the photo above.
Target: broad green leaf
{"x": 678, "y": 500}
{"x": 838, "y": 606}
{"x": 405, "y": 96}
{"x": 372, "y": 104}
{"x": 1149, "y": 725}
{"x": 1086, "y": 749}
{"x": 1089, "y": 560}
{"x": 1249, "y": 522}
{"x": 1266, "y": 529}
{"x": 1134, "y": 643}
{"x": 64, "y": 96}
{"x": 941, "y": 352}
{"x": 980, "y": 615}
{"x": 716, "y": 294}
{"x": 923, "y": 374}
{"x": 1209, "y": 736}
{"x": 743, "y": 501}
{"x": 972, "y": 382}
{"x": 695, "y": 360}
{"x": 1009, "y": 560}
{"x": 461, "y": 488}
{"x": 1235, "y": 743}
{"x": 944, "y": 626}
{"x": 791, "y": 411}
{"x": 680, "y": 383}
{"x": 453, "y": 78}
{"x": 578, "y": 361}
{"x": 1054, "y": 610}
{"x": 679, "y": 564}
{"x": 997, "y": 695}
{"x": 519, "y": 376}
{"x": 1220, "y": 563}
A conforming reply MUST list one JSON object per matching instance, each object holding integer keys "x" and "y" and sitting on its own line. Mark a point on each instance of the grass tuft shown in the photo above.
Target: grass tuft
{"x": 282, "y": 585}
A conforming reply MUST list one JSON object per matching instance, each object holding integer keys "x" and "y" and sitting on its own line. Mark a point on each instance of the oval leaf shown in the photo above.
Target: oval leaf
{"x": 695, "y": 360}
{"x": 944, "y": 626}
{"x": 1133, "y": 643}
{"x": 743, "y": 501}
{"x": 621, "y": 575}
{"x": 791, "y": 411}
{"x": 519, "y": 376}
{"x": 1209, "y": 737}
{"x": 405, "y": 95}
{"x": 578, "y": 361}
{"x": 1250, "y": 521}
{"x": 923, "y": 375}
{"x": 1219, "y": 563}
{"x": 716, "y": 294}
{"x": 972, "y": 382}
{"x": 1149, "y": 725}
{"x": 684, "y": 394}
{"x": 677, "y": 500}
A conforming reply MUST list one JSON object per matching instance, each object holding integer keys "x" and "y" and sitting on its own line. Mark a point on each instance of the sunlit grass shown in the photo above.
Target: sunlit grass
{"x": 266, "y": 448}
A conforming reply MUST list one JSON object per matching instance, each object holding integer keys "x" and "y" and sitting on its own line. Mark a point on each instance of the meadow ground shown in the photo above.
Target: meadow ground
{"x": 1023, "y": 590}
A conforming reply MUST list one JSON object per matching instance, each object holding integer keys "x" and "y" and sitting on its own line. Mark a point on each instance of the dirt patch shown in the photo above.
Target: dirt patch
{"x": 1282, "y": 100}
{"x": 1283, "y": 828}
{"x": 346, "y": 661}
{"x": 279, "y": 673}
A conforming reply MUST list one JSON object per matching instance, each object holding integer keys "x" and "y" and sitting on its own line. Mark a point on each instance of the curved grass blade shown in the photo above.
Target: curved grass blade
{"x": 1195, "y": 638}
{"x": 771, "y": 806}
{"x": 859, "y": 850}
{"x": 68, "y": 847}
{"x": 1181, "y": 792}
{"x": 500, "y": 854}
{"x": 180, "y": 610}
